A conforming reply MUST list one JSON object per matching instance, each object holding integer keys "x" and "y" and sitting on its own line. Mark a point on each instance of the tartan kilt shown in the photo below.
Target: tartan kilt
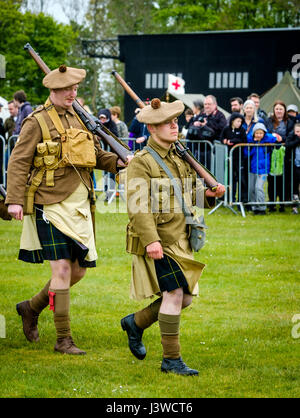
{"x": 169, "y": 275}
{"x": 55, "y": 245}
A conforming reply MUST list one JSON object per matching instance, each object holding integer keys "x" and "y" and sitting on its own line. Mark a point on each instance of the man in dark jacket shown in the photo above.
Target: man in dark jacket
{"x": 213, "y": 118}
{"x": 231, "y": 135}
{"x": 24, "y": 107}
{"x": 10, "y": 122}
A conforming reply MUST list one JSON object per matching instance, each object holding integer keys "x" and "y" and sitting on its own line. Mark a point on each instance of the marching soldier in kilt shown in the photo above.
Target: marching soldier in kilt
{"x": 49, "y": 180}
{"x": 163, "y": 262}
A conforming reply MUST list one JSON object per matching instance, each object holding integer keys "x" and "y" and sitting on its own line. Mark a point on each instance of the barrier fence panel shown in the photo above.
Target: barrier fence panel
{"x": 2, "y": 161}
{"x": 259, "y": 174}
{"x": 221, "y": 173}
{"x": 203, "y": 151}
{"x": 255, "y": 176}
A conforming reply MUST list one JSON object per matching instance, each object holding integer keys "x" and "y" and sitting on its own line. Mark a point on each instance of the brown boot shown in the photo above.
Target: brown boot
{"x": 30, "y": 321}
{"x": 67, "y": 346}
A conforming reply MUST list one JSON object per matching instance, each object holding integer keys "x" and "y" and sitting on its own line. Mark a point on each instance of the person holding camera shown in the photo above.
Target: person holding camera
{"x": 207, "y": 127}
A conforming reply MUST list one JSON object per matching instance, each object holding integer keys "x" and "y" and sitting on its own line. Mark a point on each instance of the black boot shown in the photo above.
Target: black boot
{"x": 134, "y": 336}
{"x": 177, "y": 366}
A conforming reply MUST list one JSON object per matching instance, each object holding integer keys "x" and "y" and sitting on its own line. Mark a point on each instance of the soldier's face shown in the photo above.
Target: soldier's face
{"x": 64, "y": 97}
{"x": 166, "y": 133}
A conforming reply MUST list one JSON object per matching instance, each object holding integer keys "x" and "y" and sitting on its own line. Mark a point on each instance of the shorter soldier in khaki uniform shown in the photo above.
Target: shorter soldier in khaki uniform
{"x": 163, "y": 262}
{"x": 49, "y": 181}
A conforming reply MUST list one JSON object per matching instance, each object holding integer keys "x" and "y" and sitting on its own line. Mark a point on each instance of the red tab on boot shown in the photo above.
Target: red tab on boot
{"x": 51, "y": 300}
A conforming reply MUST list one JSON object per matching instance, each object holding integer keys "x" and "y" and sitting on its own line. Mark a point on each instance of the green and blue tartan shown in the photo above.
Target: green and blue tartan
{"x": 55, "y": 245}
{"x": 169, "y": 275}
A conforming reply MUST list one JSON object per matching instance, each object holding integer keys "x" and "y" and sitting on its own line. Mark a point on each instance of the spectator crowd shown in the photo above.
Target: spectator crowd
{"x": 252, "y": 164}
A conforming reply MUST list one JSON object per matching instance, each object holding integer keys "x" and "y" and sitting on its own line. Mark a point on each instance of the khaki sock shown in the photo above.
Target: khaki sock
{"x": 147, "y": 316}
{"x": 41, "y": 300}
{"x": 169, "y": 329}
{"x": 61, "y": 312}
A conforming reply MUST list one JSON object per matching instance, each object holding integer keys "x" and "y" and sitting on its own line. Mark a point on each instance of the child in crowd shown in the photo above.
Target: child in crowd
{"x": 259, "y": 165}
{"x": 293, "y": 143}
{"x": 231, "y": 135}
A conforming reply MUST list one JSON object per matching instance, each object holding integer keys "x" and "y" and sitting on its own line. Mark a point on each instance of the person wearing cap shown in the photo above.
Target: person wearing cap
{"x": 49, "y": 178}
{"x": 292, "y": 111}
{"x": 260, "y": 163}
{"x": 157, "y": 237}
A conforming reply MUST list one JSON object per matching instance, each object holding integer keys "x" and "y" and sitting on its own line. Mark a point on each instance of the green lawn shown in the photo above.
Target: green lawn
{"x": 237, "y": 333}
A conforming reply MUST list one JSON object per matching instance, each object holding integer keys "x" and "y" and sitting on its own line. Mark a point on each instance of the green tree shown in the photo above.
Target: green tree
{"x": 51, "y": 40}
{"x": 187, "y": 16}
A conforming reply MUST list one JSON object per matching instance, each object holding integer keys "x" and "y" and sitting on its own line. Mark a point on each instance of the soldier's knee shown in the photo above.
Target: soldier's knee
{"x": 77, "y": 274}
{"x": 186, "y": 300}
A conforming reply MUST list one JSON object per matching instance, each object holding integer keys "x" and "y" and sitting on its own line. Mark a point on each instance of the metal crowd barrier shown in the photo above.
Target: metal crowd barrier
{"x": 240, "y": 187}
{"x": 233, "y": 169}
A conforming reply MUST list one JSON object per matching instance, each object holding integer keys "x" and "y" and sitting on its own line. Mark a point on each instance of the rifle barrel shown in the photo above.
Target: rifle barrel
{"x": 198, "y": 167}
{"x": 96, "y": 127}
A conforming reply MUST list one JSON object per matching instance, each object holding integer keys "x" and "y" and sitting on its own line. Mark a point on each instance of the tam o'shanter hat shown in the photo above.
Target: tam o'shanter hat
{"x": 63, "y": 77}
{"x": 158, "y": 112}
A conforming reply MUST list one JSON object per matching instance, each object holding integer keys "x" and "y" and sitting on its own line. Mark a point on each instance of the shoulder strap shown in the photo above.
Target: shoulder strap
{"x": 44, "y": 127}
{"x": 177, "y": 189}
{"x": 49, "y": 107}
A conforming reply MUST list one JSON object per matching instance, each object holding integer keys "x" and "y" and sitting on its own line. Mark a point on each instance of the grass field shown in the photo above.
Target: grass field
{"x": 237, "y": 333}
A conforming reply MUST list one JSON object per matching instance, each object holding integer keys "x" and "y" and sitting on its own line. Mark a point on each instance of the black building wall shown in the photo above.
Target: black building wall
{"x": 251, "y": 60}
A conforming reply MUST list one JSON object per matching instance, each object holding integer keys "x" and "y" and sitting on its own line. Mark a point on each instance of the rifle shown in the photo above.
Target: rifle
{"x": 184, "y": 152}
{"x": 91, "y": 123}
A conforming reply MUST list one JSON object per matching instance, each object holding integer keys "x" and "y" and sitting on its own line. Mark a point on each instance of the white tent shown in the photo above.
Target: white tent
{"x": 4, "y": 114}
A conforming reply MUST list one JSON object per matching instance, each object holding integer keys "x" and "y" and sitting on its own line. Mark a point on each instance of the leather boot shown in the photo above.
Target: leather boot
{"x": 66, "y": 345}
{"x": 177, "y": 366}
{"x": 30, "y": 321}
{"x": 134, "y": 336}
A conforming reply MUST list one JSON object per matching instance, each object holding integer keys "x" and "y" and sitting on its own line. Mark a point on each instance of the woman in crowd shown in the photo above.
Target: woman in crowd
{"x": 250, "y": 119}
{"x": 281, "y": 126}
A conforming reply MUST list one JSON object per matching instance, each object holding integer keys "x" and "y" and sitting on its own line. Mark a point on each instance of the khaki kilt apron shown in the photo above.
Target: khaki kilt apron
{"x": 144, "y": 283}
{"x": 72, "y": 217}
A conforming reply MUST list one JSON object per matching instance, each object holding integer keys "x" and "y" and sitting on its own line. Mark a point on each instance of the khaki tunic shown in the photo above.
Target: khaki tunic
{"x": 66, "y": 204}
{"x": 66, "y": 179}
{"x": 168, "y": 227}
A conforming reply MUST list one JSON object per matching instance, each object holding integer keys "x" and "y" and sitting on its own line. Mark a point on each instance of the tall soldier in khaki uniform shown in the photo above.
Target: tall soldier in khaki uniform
{"x": 49, "y": 177}
{"x": 163, "y": 262}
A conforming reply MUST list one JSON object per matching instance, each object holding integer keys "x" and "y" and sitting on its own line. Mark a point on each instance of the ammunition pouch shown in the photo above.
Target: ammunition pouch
{"x": 78, "y": 148}
{"x": 133, "y": 242}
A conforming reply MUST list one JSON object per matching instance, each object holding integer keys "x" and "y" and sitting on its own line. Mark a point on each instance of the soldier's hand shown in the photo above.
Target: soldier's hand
{"x": 219, "y": 192}
{"x": 3, "y": 212}
{"x": 121, "y": 164}
{"x": 155, "y": 250}
{"x": 16, "y": 211}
